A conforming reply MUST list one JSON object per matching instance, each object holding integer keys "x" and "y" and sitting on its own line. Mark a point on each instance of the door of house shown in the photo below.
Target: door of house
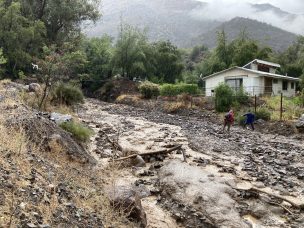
{"x": 268, "y": 86}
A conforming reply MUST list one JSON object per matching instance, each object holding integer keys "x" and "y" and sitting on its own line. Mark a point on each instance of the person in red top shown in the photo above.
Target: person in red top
{"x": 229, "y": 119}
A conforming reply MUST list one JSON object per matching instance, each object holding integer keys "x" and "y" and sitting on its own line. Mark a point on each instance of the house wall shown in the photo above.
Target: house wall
{"x": 278, "y": 89}
{"x": 272, "y": 70}
{"x": 254, "y": 66}
{"x": 251, "y": 82}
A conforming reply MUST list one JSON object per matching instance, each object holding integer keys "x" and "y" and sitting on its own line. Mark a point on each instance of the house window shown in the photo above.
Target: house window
{"x": 275, "y": 81}
{"x": 292, "y": 85}
{"x": 285, "y": 85}
{"x": 235, "y": 83}
{"x": 263, "y": 68}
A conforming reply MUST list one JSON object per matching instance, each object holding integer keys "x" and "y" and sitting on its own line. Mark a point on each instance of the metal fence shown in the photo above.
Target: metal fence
{"x": 251, "y": 91}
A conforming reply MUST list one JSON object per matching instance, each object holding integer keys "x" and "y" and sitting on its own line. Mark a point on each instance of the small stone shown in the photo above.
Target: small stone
{"x": 44, "y": 226}
{"x": 139, "y": 161}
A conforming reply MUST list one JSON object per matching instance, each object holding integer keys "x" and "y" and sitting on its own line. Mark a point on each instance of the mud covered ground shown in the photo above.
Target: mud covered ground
{"x": 212, "y": 188}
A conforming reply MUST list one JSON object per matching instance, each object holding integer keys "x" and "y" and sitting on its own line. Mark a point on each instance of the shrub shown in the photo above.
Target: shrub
{"x": 128, "y": 99}
{"x": 224, "y": 97}
{"x": 173, "y": 107}
{"x": 184, "y": 98}
{"x": 241, "y": 96}
{"x": 79, "y": 131}
{"x": 68, "y": 94}
{"x": 263, "y": 114}
{"x": 149, "y": 90}
{"x": 236, "y": 105}
{"x": 176, "y": 89}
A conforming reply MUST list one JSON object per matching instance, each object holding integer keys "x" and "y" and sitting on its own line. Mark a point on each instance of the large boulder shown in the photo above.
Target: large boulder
{"x": 128, "y": 199}
{"x": 60, "y": 118}
{"x": 300, "y": 124}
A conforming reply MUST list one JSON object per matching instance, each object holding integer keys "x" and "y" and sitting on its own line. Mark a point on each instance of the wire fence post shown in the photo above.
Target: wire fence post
{"x": 255, "y": 104}
{"x": 281, "y": 107}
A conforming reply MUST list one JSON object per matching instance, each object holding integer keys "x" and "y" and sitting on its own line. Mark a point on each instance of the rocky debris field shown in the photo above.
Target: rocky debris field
{"x": 241, "y": 179}
{"x": 46, "y": 177}
{"x": 188, "y": 174}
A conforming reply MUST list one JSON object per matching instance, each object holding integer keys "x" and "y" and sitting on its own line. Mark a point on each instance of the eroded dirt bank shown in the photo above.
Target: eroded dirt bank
{"x": 210, "y": 189}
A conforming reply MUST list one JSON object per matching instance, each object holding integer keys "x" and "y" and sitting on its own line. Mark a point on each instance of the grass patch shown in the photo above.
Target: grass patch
{"x": 291, "y": 109}
{"x": 80, "y": 132}
{"x": 263, "y": 113}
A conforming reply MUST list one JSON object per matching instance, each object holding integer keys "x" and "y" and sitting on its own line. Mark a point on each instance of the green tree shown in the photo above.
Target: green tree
{"x": 63, "y": 18}
{"x": 224, "y": 97}
{"x": 52, "y": 69}
{"x": 129, "y": 57}
{"x": 2, "y": 60}
{"x": 58, "y": 66}
{"x": 99, "y": 53}
{"x": 292, "y": 60}
{"x": 245, "y": 50}
{"x": 20, "y": 37}
{"x": 236, "y": 53}
{"x": 168, "y": 62}
{"x": 222, "y": 51}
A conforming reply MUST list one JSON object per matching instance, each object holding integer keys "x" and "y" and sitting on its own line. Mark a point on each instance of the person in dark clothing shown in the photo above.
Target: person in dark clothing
{"x": 250, "y": 117}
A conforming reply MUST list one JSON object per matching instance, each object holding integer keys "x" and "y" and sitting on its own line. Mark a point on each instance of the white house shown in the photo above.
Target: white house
{"x": 257, "y": 78}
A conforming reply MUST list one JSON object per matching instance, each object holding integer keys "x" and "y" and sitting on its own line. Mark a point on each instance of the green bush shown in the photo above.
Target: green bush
{"x": 68, "y": 94}
{"x": 224, "y": 97}
{"x": 149, "y": 90}
{"x": 79, "y": 131}
{"x": 299, "y": 100}
{"x": 241, "y": 120}
{"x": 263, "y": 114}
{"x": 177, "y": 89}
{"x": 241, "y": 96}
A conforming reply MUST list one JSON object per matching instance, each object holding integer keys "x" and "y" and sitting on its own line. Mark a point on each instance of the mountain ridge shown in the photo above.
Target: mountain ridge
{"x": 266, "y": 34}
{"x": 175, "y": 21}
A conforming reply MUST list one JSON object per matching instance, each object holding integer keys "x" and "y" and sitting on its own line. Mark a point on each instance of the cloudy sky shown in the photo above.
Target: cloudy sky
{"x": 293, "y": 6}
{"x": 224, "y": 10}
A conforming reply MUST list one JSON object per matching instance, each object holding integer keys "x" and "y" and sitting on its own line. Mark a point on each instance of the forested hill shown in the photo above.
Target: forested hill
{"x": 165, "y": 20}
{"x": 183, "y": 22}
{"x": 266, "y": 34}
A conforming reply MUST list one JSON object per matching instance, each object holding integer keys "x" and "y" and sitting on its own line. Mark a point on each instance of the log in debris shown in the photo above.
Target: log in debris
{"x": 114, "y": 144}
{"x": 166, "y": 151}
{"x": 294, "y": 204}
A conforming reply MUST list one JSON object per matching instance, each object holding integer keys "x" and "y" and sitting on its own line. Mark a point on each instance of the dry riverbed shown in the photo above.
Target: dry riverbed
{"x": 214, "y": 187}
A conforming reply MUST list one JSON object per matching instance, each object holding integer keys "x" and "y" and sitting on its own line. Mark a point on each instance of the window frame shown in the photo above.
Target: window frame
{"x": 285, "y": 86}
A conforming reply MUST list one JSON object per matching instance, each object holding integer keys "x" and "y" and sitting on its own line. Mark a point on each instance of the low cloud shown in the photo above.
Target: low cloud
{"x": 223, "y": 10}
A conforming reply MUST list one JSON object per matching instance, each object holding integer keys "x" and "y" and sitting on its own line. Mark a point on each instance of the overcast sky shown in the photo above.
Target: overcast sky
{"x": 224, "y": 10}
{"x": 293, "y": 6}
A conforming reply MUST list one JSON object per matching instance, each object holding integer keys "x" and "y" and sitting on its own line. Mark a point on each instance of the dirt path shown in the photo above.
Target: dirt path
{"x": 201, "y": 192}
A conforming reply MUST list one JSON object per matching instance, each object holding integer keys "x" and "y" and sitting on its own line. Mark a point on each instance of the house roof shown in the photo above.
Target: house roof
{"x": 259, "y": 73}
{"x": 263, "y": 62}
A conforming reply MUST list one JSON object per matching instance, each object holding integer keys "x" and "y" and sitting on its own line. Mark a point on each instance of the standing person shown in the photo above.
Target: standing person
{"x": 249, "y": 119}
{"x": 229, "y": 119}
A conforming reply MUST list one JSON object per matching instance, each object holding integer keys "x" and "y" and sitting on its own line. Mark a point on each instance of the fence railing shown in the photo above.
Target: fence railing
{"x": 250, "y": 90}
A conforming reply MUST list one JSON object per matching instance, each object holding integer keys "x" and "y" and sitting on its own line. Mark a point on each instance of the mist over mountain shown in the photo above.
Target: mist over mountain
{"x": 189, "y": 22}
{"x": 266, "y": 34}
